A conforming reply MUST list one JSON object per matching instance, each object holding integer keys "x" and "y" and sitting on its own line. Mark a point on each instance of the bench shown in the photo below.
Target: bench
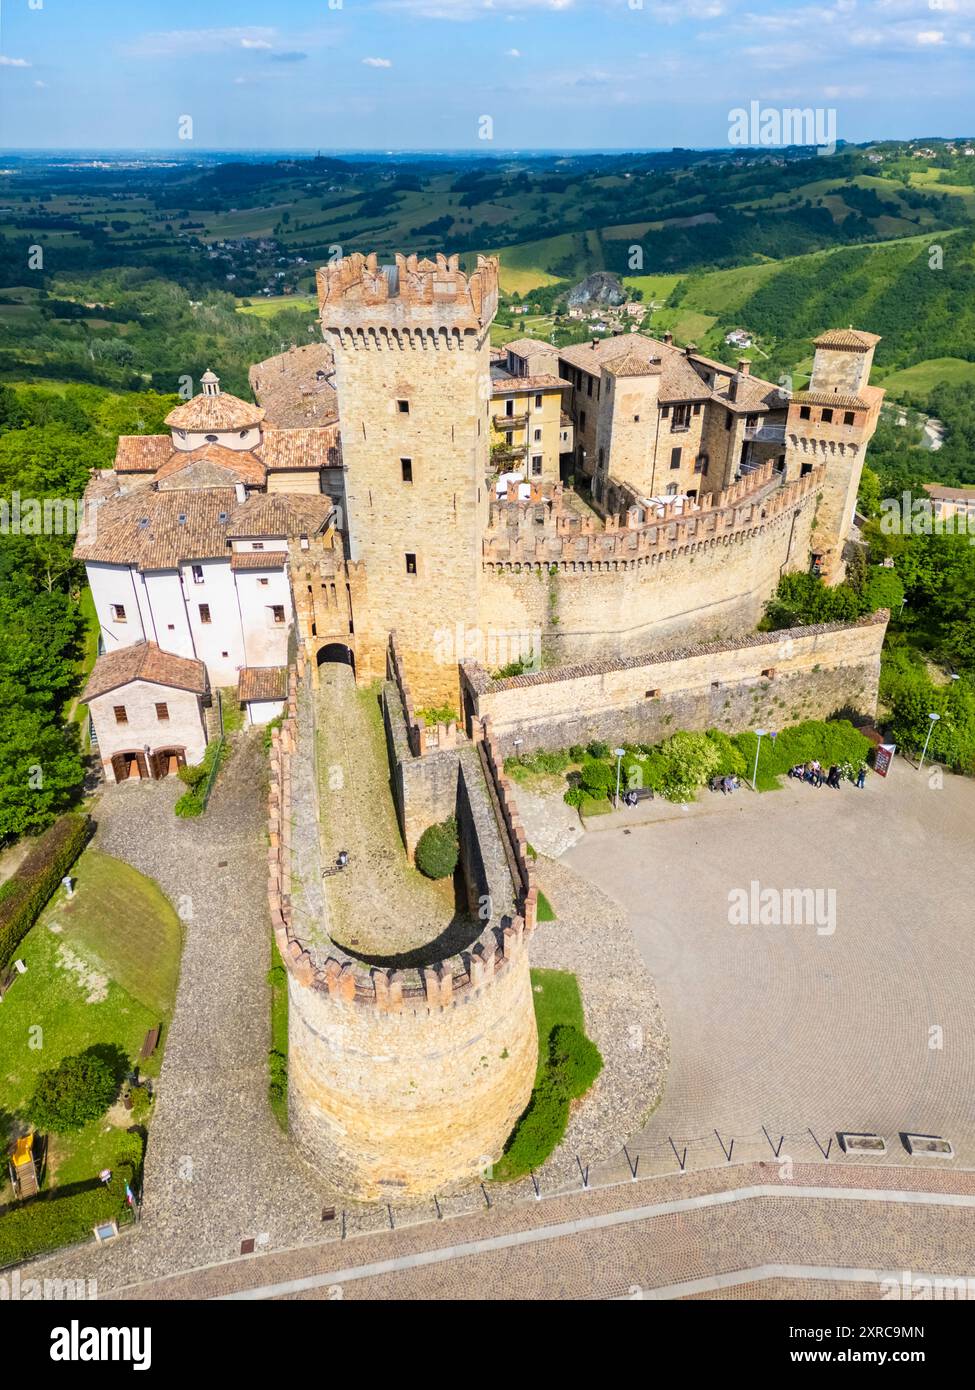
{"x": 151, "y": 1043}
{"x": 641, "y": 794}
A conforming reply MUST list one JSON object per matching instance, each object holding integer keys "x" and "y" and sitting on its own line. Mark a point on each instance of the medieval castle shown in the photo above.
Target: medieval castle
{"x": 554, "y": 544}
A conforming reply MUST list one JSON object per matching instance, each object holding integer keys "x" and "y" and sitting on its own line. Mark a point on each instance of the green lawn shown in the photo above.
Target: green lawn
{"x": 923, "y": 377}
{"x": 102, "y": 968}
{"x": 557, "y": 1000}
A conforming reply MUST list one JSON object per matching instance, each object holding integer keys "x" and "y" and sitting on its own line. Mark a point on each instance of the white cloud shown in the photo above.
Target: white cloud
{"x": 39, "y": 83}
{"x": 470, "y": 9}
{"x": 513, "y": 53}
{"x": 377, "y": 63}
{"x": 6, "y": 62}
{"x": 928, "y": 37}
{"x": 179, "y": 42}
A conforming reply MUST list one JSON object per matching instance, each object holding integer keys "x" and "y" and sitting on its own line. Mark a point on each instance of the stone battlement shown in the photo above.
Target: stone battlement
{"x": 343, "y": 978}
{"x": 360, "y": 298}
{"x": 519, "y": 533}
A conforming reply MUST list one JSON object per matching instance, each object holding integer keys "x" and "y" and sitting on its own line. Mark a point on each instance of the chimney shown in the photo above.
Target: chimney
{"x": 241, "y": 492}
{"x": 744, "y": 366}
{"x": 733, "y": 389}
{"x": 668, "y": 339}
{"x": 595, "y": 344}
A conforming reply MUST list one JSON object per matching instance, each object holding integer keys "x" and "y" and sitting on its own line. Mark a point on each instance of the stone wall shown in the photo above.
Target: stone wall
{"x": 402, "y": 1083}
{"x": 769, "y": 679}
{"x": 704, "y": 579}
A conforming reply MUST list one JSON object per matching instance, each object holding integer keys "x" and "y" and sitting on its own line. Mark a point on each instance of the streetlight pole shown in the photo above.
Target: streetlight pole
{"x": 934, "y": 719}
{"x": 760, "y": 734}
{"x": 620, "y": 753}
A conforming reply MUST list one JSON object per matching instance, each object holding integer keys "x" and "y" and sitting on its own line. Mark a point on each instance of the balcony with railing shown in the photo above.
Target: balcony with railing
{"x": 765, "y": 433}
{"x": 511, "y": 422}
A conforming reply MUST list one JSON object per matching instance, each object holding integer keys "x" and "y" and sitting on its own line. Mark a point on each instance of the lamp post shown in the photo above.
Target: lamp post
{"x": 759, "y": 734}
{"x": 620, "y": 754}
{"x": 934, "y": 719}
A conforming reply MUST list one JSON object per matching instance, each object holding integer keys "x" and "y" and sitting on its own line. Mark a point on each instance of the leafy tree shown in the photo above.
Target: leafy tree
{"x": 75, "y": 1092}
{"x": 41, "y": 771}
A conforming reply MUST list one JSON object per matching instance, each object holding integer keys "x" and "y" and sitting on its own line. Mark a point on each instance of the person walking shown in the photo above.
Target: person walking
{"x": 862, "y": 776}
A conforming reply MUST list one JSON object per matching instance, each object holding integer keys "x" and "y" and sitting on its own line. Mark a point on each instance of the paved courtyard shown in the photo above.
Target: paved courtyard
{"x": 862, "y": 1022}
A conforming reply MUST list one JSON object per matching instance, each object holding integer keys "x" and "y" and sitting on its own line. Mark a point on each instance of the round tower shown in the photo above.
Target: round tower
{"x": 412, "y": 362}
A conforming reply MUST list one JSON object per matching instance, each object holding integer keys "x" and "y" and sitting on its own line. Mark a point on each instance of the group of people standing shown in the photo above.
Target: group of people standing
{"x": 812, "y": 772}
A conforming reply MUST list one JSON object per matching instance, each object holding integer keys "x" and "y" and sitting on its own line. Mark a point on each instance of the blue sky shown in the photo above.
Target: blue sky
{"x": 419, "y": 74}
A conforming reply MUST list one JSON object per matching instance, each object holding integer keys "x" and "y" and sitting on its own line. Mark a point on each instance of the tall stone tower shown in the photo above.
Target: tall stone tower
{"x": 833, "y": 422}
{"x": 412, "y": 358}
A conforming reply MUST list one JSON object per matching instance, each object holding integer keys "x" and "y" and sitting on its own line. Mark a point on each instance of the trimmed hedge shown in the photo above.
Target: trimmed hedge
{"x": 438, "y": 850}
{"x": 573, "y": 1064}
{"x": 58, "y": 1218}
{"x": 27, "y": 893}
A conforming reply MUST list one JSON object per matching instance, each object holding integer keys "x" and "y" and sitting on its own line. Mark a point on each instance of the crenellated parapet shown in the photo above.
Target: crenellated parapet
{"x": 346, "y": 979}
{"x": 414, "y": 302}
{"x": 526, "y": 533}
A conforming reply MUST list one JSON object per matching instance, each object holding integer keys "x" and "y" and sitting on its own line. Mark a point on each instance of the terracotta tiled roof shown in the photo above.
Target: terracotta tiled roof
{"x": 753, "y": 394}
{"x": 262, "y": 683}
{"x": 222, "y": 466}
{"x": 849, "y": 338}
{"x": 161, "y": 530}
{"x": 528, "y": 347}
{"x": 142, "y": 453}
{"x": 144, "y": 662}
{"x": 525, "y": 385}
{"x": 205, "y": 414}
{"x": 634, "y": 364}
{"x": 302, "y": 448}
{"x": 297, "y": 388}
{"x": 281, "y": 514}
{"x": 259, "y": 559}
{"x": 830, "y": 398}
{"x": 678, "y": 379}
{"x": 950, "y": 494}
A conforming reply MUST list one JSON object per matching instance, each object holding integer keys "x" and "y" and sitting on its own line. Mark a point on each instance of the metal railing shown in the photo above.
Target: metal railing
{"x": 765, "y": 434}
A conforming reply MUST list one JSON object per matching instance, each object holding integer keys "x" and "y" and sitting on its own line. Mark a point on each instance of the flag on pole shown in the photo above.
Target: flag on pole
{"x": 129, "y": 1195}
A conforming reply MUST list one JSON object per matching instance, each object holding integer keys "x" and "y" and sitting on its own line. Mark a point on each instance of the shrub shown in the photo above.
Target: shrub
{"x": 597, "y": 778}
{"x": 191, "y": 803}
{"x": 75, "y": 1092}
{"x": 269, "y": 729}
{"x": 575, "y": 1060}
{"x": 577, "y": 753}
{"x": 27, "y": 892}
{"x": 539, "y": 1130}
{"x": 437, "y": 714}
{"x": 829, "y": 741}
{"x": 438, "y": 850}
{"x": 575, "y": 796}
{"x": 732, "y": 761}
{"x": 597, "y": 749}
{"x": 690, "y": 760}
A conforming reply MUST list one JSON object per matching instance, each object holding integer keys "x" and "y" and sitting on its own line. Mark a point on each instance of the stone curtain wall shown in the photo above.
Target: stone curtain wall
{"x": 402, "y": 1083}
{"x": 522, "y": 866}
{"x": 706, "y": 580}
{"x": 817, "y": 672}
